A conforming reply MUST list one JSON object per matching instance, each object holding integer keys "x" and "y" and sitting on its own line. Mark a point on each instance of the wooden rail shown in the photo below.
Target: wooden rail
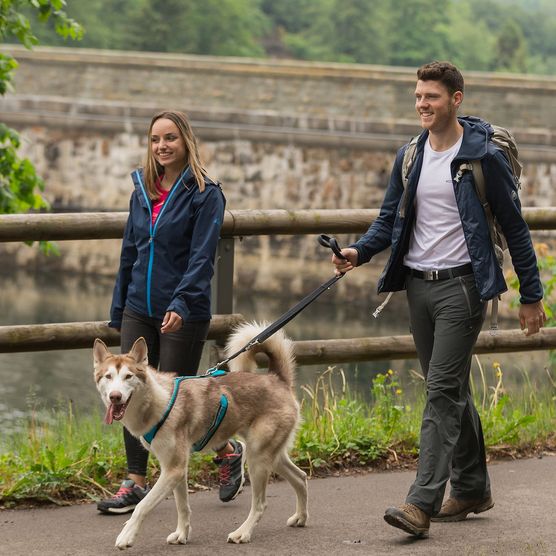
{"x": 77, "y": 335}
{"x": 312, "y": 352}
{"x": 110, "y": 225}
{"x": 79, "y": 226}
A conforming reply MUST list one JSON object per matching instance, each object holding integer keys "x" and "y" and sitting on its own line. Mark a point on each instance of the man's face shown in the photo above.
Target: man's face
{"x": 436, "y": 107}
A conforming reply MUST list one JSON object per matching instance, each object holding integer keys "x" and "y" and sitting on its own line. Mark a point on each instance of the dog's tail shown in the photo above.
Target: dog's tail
{"x": 278, "y": 348}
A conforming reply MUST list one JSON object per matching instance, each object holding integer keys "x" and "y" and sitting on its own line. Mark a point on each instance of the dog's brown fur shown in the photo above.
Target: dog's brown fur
{"x": 262, "y": 410}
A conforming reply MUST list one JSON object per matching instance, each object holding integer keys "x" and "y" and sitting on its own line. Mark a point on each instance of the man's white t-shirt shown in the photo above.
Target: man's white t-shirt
{"x": 437, "y": 241}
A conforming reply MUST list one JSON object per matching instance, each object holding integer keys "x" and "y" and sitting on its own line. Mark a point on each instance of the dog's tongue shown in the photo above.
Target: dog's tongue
{"x": 109, "y": 417}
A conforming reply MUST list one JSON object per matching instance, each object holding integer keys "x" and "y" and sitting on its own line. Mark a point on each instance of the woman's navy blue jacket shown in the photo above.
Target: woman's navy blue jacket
{"x": 168, "y": 266}
{"x": 394, "y": 226}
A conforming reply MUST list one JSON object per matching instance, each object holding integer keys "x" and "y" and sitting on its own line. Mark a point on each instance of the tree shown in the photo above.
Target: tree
{"x": 20, "y": 186}
{"x": 293, "y": 16}
{"x": 417, "y": 31}
{"x": 340, "y": 30}
{"x": 217, "y": 27}
{"x": 360, "y": 30}
{"x": 105, "y": 22}
{"x": 511, "y": 48}
{"x": 471, "y": 42}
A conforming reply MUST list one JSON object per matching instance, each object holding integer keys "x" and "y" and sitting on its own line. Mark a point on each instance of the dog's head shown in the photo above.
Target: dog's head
{"x": 118, "y": 376}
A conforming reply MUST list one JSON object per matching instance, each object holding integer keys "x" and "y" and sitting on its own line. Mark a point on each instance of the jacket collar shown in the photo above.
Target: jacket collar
{"x": 185, "y": 180}
{"x": 476, "y": 134}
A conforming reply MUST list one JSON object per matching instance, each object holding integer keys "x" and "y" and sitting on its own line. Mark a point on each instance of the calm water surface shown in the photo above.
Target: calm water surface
{"x": 56, "y": 378}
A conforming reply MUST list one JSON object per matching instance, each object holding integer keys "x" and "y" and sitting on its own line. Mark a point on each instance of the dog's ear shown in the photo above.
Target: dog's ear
{"x": 100, "y": 351}
{"x": 139, "y": 351}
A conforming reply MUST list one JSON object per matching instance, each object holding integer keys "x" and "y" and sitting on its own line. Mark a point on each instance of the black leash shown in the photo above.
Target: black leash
{"x": 325, "y": 241}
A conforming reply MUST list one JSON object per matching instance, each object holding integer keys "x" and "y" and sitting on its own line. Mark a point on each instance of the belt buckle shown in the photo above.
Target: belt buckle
{"x": 431, "y": 274}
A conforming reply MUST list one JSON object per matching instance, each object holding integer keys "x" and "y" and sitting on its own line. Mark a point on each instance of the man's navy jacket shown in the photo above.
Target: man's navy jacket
{"x": 394, "y": 226}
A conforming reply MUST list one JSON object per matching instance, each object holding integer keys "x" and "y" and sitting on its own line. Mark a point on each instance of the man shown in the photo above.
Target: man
{"x": 442, "y": 254}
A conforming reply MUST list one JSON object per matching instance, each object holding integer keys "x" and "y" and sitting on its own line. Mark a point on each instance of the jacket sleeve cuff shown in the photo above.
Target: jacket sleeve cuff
{"x": 178, "y": 307}
{"x": 529, "y": 301}
{"x": 360, "y": 260}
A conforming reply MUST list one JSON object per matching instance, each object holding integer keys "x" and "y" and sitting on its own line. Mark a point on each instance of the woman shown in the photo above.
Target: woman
{"x": 162, "y": 290}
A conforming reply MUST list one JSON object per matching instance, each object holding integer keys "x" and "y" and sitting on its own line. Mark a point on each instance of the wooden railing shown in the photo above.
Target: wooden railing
{"x": 91, "y": 226}
{"x": 110, "y": 225}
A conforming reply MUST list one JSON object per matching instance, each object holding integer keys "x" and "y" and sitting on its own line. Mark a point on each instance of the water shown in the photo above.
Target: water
{"x": 57, "y": 378}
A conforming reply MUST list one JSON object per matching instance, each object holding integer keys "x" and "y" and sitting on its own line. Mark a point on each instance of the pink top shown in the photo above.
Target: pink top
{"x": 157, "y": 204}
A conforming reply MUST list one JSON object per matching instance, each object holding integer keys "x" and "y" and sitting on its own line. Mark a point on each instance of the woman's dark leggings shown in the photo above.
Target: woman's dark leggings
{"x": 178, "y": 352}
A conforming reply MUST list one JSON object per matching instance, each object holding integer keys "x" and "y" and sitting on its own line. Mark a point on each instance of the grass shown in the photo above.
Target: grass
{"x": 61, "y": 458}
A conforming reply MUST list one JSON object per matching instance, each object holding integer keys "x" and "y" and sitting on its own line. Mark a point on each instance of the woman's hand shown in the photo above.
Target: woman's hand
{"x": 171, "y": 322}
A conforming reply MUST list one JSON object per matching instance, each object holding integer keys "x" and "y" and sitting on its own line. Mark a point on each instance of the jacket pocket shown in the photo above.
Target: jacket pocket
{"x": 466, "y": 295}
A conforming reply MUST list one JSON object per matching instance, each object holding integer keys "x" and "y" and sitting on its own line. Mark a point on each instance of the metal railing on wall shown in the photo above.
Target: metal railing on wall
{"x": 239, "y": 223}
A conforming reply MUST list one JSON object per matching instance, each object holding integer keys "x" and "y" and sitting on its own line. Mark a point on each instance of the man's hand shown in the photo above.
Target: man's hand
{"x": 532, "y": 317}
{"x": 343, "y": 266}
{"x": 171, "y": 322}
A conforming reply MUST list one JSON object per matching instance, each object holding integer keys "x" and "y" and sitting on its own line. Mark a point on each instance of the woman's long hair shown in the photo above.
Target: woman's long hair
{"x": 153, "y": 169}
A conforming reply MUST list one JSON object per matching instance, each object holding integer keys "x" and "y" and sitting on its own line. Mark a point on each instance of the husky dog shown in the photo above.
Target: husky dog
{"x": 261, "y": 408}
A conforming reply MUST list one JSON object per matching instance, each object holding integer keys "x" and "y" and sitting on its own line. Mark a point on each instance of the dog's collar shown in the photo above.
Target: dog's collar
{"x": 223, "y": 407}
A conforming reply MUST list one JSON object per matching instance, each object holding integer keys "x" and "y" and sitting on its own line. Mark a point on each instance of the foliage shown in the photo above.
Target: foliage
{"x": 102, "y": 24}
{"x": 20, "y": 186}
{"x": 343, "y": 429}
{"x": 511, "y": 48}
{"x": 418, "y": 26}
{"x": 499, "y": 35}
{"x": 216, "y": 27}
{"x": 521, "y": 418}
{"x": 59, "y": 457}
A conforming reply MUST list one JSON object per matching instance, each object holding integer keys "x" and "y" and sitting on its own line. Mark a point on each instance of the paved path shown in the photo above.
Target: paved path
{"x": 345, "y": 519}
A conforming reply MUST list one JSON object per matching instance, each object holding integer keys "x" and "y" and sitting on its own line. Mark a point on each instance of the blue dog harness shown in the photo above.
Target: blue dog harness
{"x": 218, "y": 418}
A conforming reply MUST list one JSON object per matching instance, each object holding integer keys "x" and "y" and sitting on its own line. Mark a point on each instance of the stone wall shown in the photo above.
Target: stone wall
{"x": 280, "y": 86}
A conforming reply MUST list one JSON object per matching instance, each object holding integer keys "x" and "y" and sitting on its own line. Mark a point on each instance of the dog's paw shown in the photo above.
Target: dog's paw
{"x": 297, "y": 520}
{"x": 123, "y": 541}
{"x": 179, "y": 536}
{"x": 127, "y": 536}
{"x": 239, "y": 537}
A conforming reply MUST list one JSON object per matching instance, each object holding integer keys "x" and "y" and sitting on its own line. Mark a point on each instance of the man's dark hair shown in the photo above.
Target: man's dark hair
{"x": 444, "y": 72}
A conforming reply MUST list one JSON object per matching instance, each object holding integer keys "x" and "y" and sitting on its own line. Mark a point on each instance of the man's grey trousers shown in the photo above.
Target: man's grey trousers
{"x": 446, "y": 317}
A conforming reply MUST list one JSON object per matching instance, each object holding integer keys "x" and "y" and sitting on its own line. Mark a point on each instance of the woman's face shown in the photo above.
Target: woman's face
{"x": 167, "y": 145}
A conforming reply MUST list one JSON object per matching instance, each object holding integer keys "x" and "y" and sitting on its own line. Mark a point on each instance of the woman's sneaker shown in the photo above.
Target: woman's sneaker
{"x": 231, "y": 472}
{"x": 125, "y": 500}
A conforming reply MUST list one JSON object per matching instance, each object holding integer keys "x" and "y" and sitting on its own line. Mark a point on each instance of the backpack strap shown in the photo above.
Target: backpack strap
{"x": 407, "y": 164}
{"x": 479, "y": 180}
{"x": 409, "y": 159}
{"x": 480, "y": 187}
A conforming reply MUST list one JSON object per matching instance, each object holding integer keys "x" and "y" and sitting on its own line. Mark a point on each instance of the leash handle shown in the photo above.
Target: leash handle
{"x": 331, "y": 243}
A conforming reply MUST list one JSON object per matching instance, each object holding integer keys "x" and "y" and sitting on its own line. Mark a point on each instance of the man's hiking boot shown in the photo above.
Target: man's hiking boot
{"x": 125, "y": 500}
{"x": 457, "y": 510}
{"x": 410, "y": 518}
{"x": 231, "y": 474}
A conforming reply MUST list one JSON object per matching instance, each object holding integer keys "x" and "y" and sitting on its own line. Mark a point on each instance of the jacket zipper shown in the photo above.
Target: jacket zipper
{"x": 152, "y": 232}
